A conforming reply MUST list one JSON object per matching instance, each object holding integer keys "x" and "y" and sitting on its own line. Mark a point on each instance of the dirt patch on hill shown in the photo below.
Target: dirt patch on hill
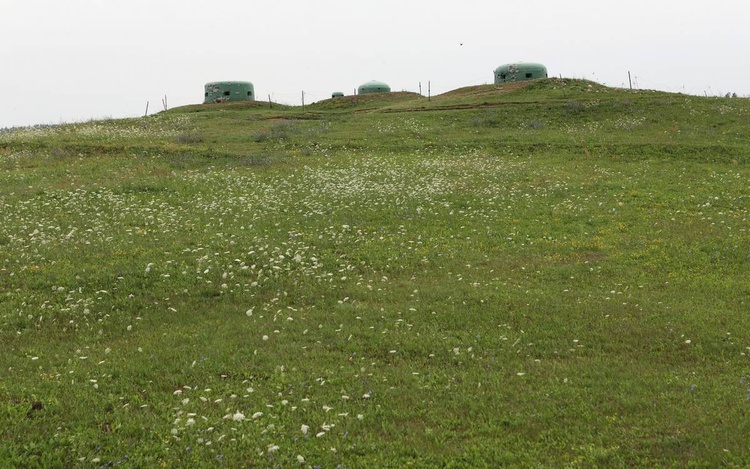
{"x": 483, "y": 89}
{"x": 368, "y": 100}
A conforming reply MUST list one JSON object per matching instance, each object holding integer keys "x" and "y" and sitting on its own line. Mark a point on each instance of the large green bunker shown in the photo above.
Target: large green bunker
{"x": 519, "y": 72}
{"x": 373, "y": 86}
{"x": 223, "y": 91}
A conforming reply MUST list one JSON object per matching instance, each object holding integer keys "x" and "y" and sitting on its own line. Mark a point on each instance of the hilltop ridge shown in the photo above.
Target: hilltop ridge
{"x": 570, "y": 115}
{"x": 551, "y": 274}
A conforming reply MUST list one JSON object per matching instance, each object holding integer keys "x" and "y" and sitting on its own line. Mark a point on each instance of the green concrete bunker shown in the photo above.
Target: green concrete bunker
{"x": 373, "y": 86}
{"x": 224, "y": 91}
{"x": 520, "y": 71}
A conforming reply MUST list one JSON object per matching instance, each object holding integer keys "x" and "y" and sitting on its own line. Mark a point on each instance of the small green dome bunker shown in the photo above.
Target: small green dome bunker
{"x": 337, "y": 94}
{"x": 519, "y": 72}
{"x": 373, "y": 87}
{"x": 223, "y": 91}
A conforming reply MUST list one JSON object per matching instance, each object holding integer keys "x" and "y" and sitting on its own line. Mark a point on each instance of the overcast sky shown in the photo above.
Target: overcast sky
{"x": 74, "y": 60}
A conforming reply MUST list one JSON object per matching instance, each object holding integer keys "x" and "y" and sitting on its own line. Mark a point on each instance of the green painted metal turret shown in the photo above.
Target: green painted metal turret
{"x": 223, "y": 91}
{"x": 519, "y": 72}
{"x": 373, "y": 87}
{"x": 337, "y": 94}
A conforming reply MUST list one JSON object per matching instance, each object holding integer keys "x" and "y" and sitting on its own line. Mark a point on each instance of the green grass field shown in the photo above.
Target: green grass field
{"x": 548, "y": 275}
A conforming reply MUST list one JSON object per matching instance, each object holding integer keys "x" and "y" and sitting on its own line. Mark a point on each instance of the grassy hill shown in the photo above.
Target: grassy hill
{"x": 547, "y": 274}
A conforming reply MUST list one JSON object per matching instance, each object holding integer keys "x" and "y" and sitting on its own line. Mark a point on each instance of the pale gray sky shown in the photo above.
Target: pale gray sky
{"x": 73, "y": 60}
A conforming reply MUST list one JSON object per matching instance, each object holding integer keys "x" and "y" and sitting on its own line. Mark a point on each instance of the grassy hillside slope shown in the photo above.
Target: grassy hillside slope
{"x": 552, "y": 274}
